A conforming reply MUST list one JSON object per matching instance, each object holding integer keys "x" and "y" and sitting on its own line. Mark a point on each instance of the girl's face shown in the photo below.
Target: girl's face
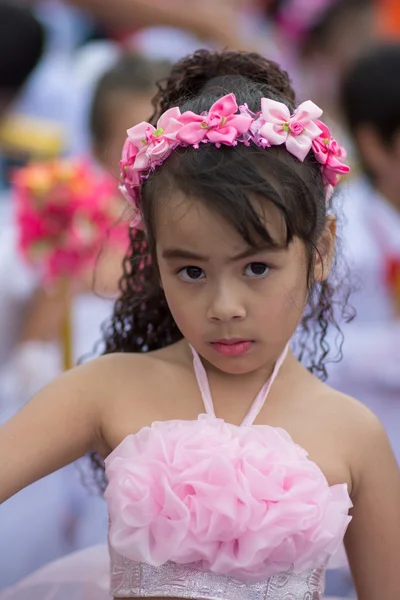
{"x": 236, "y": 305}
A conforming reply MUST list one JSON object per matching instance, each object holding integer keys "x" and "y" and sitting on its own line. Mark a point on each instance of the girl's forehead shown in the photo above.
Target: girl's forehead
{"x": 189, "y": 219}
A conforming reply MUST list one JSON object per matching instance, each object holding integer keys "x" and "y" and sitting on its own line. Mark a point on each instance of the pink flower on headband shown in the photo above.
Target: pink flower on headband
{"x": 296, "y": 131}
{"x": 331, "y": 156}
{"x": 129, "y": 153}
{"x": 220, "y": 126}
{"x": 226, "y": 123}
{"x": 154, "y": 144}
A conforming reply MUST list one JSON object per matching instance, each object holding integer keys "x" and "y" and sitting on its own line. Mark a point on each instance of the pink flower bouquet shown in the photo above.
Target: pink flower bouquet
{"x": 65, "y": 209}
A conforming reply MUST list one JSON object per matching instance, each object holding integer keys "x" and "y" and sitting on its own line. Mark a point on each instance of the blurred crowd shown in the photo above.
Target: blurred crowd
{"x": 74, "y": 76}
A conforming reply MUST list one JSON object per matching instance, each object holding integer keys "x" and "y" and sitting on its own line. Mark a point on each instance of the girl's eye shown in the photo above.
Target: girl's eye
{"x": 256, "y": 269}
{"x": 190, "y": 274}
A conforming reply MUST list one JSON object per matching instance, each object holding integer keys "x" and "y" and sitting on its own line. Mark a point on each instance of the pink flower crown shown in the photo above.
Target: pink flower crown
{"x": 225, "y": 123}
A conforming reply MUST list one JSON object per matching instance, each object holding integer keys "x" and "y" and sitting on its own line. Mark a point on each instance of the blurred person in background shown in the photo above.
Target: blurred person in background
{"x": 51, "y": 101}
{"x": 123, "y": 95}
{"x": 22, "y": 40}
{"x": 22, "y": 37}
{"x": 206, "y": 19}
{"x": 370, "y": 368}
{"x": 209, "y": 20}
{"x": 165, "y": 30}
{"x": 22, "y": 44}
{"x": 73, "y": 519}
{"x": 40, "y": 121}
{"x": 316, "y": 41}
{"x": 327, "y": 48}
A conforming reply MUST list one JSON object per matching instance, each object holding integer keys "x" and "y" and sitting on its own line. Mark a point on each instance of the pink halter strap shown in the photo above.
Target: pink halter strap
{"x": 259, "y": 401}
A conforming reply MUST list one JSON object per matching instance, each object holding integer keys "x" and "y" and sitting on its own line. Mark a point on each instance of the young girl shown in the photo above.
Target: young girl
{"x": 211, "y": 493}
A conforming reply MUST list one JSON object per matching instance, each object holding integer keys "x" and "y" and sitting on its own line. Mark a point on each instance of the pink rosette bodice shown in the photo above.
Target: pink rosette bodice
{"x": 207, "y": 509}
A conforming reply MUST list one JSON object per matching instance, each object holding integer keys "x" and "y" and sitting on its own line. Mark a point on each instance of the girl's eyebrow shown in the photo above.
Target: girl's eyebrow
{"x": 175, "y": 253}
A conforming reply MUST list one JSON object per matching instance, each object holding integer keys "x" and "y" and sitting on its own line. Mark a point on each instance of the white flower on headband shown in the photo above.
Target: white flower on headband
{"x": 296, "y": 131}
{"x": 227, "y": 124}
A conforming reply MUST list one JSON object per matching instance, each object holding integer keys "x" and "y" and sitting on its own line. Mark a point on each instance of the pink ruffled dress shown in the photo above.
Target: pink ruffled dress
{"x": 210, "y": 511}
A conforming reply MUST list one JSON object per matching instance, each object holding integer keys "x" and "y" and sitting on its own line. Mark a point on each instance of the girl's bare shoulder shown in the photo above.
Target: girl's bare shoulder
{"x": 125, "y": 369}
{"x": 334, "y": 428}
{"x": 353, "y": 417}
{"x": 355, "y": 428}
{"x": 133, "y": 390}
{"x": 330, "y": 407}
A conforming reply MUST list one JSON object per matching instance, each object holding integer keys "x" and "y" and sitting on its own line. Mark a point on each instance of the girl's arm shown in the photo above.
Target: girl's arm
{"x": 59, "y": 425}
{"x": 373, "y": 538}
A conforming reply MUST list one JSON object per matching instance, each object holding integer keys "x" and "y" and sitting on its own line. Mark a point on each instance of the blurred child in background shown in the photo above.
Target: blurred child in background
{"x": 370, "y": 368}
{"x": 370, "y": 104}
{"x": 23, "y": 38}
{"x": 341, "y": 31}
{"x": 31, "y": 353}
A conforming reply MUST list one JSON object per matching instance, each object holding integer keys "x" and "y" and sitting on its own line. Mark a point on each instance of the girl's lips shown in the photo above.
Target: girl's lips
{"x": 232, "y": 347}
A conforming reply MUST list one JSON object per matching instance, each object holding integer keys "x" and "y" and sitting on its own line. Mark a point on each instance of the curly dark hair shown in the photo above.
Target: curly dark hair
{"x": 224, "y": 179}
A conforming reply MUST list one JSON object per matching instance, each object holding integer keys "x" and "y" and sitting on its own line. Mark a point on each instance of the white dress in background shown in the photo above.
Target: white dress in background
{"x": 56, "y": 515}
{"x": 370, "y": 369}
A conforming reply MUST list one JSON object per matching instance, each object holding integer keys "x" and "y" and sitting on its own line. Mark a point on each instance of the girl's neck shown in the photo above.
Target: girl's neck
{"x": 251, "y": 380}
